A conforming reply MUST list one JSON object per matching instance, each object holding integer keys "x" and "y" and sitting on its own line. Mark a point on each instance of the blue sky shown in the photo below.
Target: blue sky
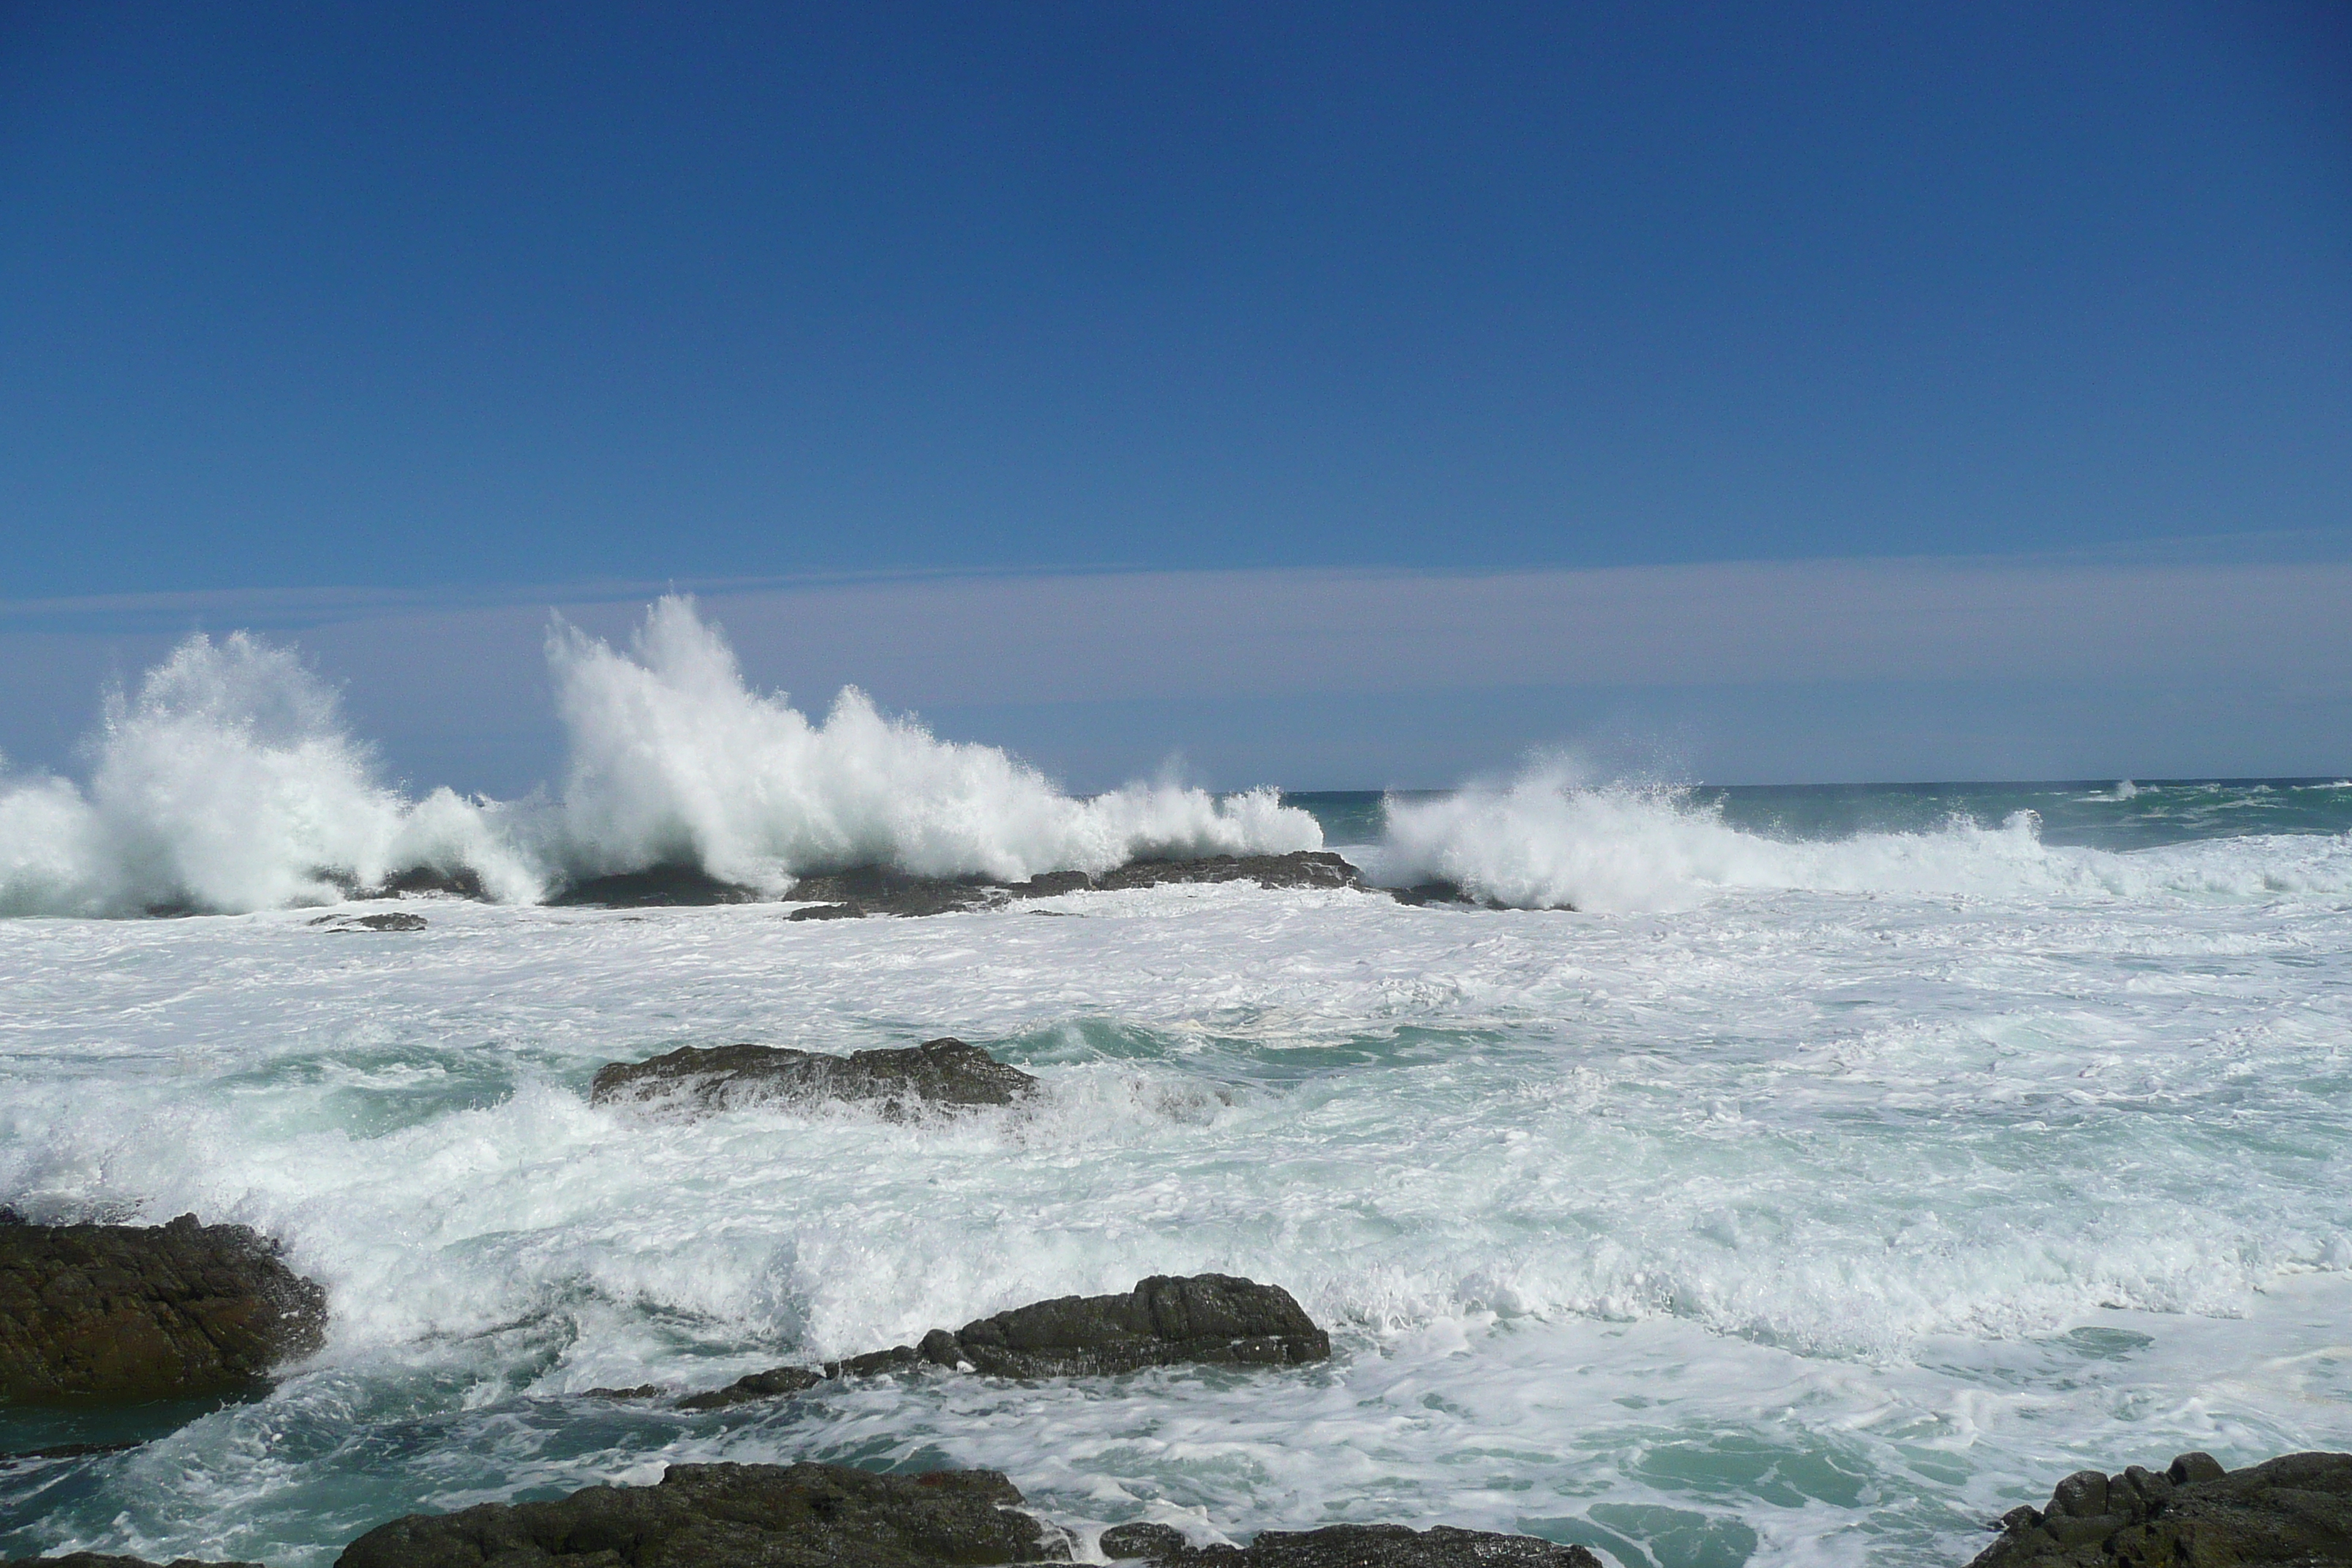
{"x": 490, "y": 308}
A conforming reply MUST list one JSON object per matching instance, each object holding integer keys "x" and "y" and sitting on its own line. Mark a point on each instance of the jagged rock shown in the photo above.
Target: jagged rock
{"x": 125, "y": 1312}
{"x": 101, "y": 1560}
{"x": 339, "y": 924}
{"x": 1214, "y": 1319}
{"x": 1346, "y": 1546}
{"x": 2294, "y": 1509}
{"x": 657, "y": 886}
{"x": 743, "y": 1516}
{"x": 463, "y": 883}
{"x": 944, "y": 1073}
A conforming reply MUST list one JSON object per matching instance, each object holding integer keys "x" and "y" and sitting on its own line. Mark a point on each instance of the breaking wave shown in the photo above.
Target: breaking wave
{"x": 227, "y": 783}
{"x": 1545, "y": 841}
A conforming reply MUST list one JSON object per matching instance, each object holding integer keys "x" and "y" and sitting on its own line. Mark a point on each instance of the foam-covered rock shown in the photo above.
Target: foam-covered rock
{"x": 135, "y": 1313}
{"x": 2293, "y": 1509}
{"x": 945, "y": 1074}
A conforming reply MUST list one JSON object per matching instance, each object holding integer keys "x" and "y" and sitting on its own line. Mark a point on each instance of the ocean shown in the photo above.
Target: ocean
{"x": 1794, "y": 1175}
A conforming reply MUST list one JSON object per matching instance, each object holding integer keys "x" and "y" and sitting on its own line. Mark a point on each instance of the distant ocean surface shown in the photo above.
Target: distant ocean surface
{"x": 1795, "y": 1175}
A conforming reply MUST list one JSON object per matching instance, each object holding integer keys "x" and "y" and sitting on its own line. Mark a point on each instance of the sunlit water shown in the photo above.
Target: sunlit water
{"x": 1839, "y": 1176}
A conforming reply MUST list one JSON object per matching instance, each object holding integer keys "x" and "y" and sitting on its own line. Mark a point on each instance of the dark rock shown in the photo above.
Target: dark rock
{"x": 1349, "y": 1546}
{"x": 419, "y": 880}
{"x": 1212, "y": 1319}
{"x": 657, "y": 886}
{"x": 642, "y": 1391}
{"x": 770, "y": 1384}
{"x": 1444, "y": 892}
{"x": 125, "y": 1312}
{"x": 740, "y": 1516}
{"x": 883, "y": 890}
{"x": 1299, "y": 869}
{"x": 101, "y": 1560}
{"x": 944, "y": 1073}
{"x": 2295, "y": 1509}
{"x": 338, "y": 924}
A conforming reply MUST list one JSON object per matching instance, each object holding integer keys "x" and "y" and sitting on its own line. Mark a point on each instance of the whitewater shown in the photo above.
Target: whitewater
{"x": 1784, "y": 1177}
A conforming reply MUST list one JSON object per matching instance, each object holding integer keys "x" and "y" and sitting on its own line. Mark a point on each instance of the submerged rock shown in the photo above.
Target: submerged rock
{"x": 2293, "y": 1509}
{"x": 1346, "y": 1546}
{"x": 134, "y": 1312}
{"x": 338, "y": 925}
{"x": 945, "y": 1073}
{"x": 773, "y": 1516}
{"x": 655, "y": 887}
{"x": 1211, "y": 1319}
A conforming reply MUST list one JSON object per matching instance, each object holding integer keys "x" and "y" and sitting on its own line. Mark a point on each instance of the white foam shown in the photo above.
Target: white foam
{"x": 229, "y": 783}
{"x": 1545, "y": 841}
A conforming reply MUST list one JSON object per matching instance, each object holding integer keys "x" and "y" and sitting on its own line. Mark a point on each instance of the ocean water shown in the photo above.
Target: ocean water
{"x": 1846, "y": 1166}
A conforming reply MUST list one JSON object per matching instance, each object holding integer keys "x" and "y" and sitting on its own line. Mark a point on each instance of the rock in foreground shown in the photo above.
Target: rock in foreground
{"x": 125, "y": 1312}
{"x": 1346, "y": 1546}
{"x": 743, "y": 1516}
{"x": 828, "y": 1515}
{"x": 944, "y": 1073}
{"x": 1209, "y": 1319}
{"x": 2294, "y": 1509}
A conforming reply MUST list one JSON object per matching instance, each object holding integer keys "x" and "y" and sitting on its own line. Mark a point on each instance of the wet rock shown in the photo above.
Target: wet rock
{"x": 419, "y": 881}
{"x": 339, "y": 924}
{"x": 2294, "y": 1509}
{"x": 882, "y": 890}
{"x": 655, "y": 887}
{"x": 1299, "y": 869}
{"x": 101, "y": 1560}
{"x": 1209, "y": 1318}
{"x": 1348, "y": 1546}
{"x": 946, "y": 1073}
{"x": 771, "y": 1384}
{"x": 771, "y": 1516}
{"x": 135, "y": 1313}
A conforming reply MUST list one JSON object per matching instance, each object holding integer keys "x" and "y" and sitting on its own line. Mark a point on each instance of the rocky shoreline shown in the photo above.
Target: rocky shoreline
{"x": 92, "y": 1313}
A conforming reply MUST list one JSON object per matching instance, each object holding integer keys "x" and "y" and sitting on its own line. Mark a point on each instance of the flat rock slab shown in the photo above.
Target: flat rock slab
{"x": 2293, "y": 1509}
{"x": 1213, "y": 1319}
{"x": 1346, "y": 1546}
{"x": 946, "y": 1074}
{"x": 862, "y": 890}
{"x": 741, "y": 1516}
{"x": 137, "y": 1312}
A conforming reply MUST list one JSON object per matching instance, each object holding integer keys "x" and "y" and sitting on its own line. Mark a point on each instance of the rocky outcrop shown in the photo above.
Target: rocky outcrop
{"x": 423, "y": 881}
{"x": 127, "y": 1312}
{"x": 770, "y": 1516}
{"x": 2294, "y": 1509}
{"x": 1346, "y": 1546}
{"x": 396, "y": 920}
{"x": 1211, "y": 1319}
{"x": 1299, "y": 869}
{"x": 829, "y": 1516}
{"x": 655, "y": 887}
{"x": 944, "y": 1074}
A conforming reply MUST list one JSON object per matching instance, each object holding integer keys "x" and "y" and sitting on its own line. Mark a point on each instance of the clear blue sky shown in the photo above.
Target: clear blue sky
{"x": 462, "y": 297}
